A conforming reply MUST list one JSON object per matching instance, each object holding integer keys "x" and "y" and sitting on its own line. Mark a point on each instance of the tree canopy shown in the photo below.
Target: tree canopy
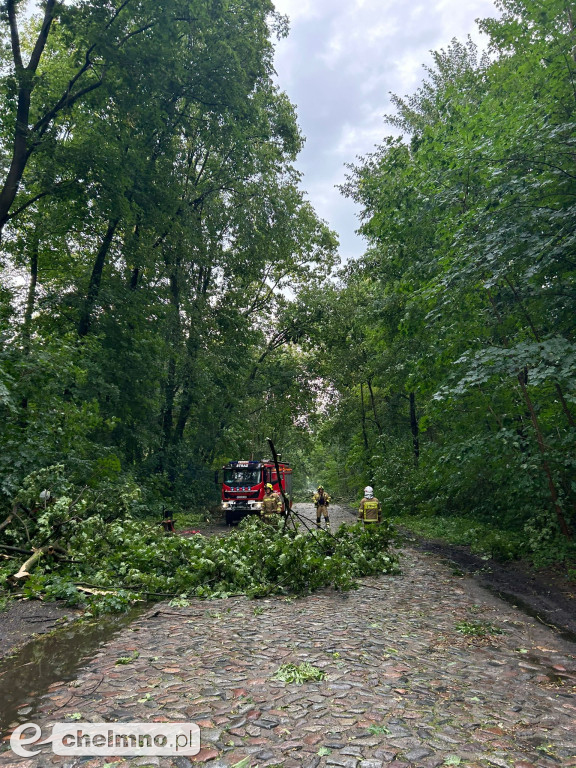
{"x": 461, "y": 375}
{"x": 151, "y": 220}
{"x": 169, "y": 297}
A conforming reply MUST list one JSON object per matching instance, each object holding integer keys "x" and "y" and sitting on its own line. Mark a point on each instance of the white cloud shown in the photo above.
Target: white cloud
{"x": 299, "y": 9}
{"x": 354, "y": 139}
{"x": 339, "y": 65}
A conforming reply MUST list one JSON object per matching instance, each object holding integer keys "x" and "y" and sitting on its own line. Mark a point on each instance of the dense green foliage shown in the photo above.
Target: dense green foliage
{"x": 148, "y": 232}
{"x": 135, "y": 559}
{"x": 451, "y": 345}
{"x": 164, "y": 302}
{"x": 104, "y": 543}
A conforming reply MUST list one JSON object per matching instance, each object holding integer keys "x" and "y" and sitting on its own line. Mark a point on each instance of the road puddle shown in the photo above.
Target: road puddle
{"x": 26, "y": 676}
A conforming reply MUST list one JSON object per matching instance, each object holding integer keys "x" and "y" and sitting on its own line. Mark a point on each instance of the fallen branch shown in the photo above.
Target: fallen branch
{"x": 126, "y": 587}
{"x": 92, "y": 591}
{"x": 6, "y": 522}
{"x": 42, "y": 621}
{"x": 371, "y": 586}
{"x": 24, "y": 571}
{"x": 23, "y": 523}
{"x": 16, "y": 549}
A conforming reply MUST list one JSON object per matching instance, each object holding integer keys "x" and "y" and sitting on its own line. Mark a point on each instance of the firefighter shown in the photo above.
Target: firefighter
{"x": 321, "y": 502}
{"x": 271, "y": 503}
{"x": 370, "y": 510}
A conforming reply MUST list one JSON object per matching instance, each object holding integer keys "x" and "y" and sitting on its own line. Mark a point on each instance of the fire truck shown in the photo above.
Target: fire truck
{"x": 244, "y": 483}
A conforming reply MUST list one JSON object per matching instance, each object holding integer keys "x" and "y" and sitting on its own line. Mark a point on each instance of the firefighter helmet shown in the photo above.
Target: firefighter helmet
{"x": 368, "y": 492}
{"x": 269, "y": 487}
{"x": 320, "y": 488}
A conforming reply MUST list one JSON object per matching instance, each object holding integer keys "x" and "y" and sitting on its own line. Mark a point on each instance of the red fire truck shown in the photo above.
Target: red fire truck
{"x": 243, "y": 486}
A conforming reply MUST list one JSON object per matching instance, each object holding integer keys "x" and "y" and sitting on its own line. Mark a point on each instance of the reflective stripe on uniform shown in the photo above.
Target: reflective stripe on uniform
{"x": 370, "y": 511}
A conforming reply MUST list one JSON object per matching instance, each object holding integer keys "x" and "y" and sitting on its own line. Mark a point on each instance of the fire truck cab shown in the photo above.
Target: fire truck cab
{"x": 244, "y": 484}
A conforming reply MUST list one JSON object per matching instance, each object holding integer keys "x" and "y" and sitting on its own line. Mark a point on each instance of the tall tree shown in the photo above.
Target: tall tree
{"x": 470, "y": 218}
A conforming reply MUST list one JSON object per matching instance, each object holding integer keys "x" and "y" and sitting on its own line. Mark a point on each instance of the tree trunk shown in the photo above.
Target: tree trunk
{"x": 523, "y": 381}
{"x": 28, "y": 312}
{"x": 96, "y": 280}
{"x": 415, "y": 429}
{"x": 25, "y": 78}
{"x": 19, "y": 550}
{"x": 171, "y": 387}
{"x": 183, "y": 416}
{"x": 31, "y": 296}
{"x": 543, "y": 451}
{"x": 192, "y": 349}
{"x": 363, "y": 412}
{"x": 373, "y": 403}
{"x": 19, "y": 152}
{"x": 557, "y": 387}
{"x": 6, "y": 522}
{"x": 169, "y": 395}
{"x": 134, "y": 277}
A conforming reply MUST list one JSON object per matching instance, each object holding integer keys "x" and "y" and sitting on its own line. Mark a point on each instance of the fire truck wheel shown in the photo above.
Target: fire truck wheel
{"x": 229, "y": 519}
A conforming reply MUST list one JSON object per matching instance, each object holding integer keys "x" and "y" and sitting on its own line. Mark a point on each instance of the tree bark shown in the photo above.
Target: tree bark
{"x": 192, "y": 349}
{"x": 169, "y": 395}
{"x": 96, "y": 280}
{"x": 171, "y": 387}
{"x": 363, "y": 416}
{"x": 25, "y": 79}
{"x": 31, "y": 296}
{"x": 414, "y": 429}
{"x": 183, "y": 416}
{"x": 23, "y": 573}
{"x": 28, "y": 312}
{"x": 557, "y": 387}
{"x": 134, "y": 277}
{"x": 6, "y": 522}
{"x": 543, "y": 451}
{"x": 523, "y": 382}
{"x": 373, "y": 403}
{"x": 20, "y": 550}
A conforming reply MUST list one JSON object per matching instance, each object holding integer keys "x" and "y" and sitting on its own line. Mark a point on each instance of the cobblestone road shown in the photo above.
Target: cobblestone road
{"x": 403, "y": 686}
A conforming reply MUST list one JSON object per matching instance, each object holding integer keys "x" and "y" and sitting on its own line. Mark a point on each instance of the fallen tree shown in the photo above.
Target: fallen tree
{"x": 81, "y": 554}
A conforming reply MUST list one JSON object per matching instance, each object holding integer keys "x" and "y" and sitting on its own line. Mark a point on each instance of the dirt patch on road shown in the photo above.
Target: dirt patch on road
{"x": 25, "y": 618}
{"x": 545, "y": 595}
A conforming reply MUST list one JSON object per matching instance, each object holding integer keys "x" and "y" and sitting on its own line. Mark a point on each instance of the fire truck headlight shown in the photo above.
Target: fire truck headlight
{"x": 225, "y": 505}
{"x": 257, "y": 505}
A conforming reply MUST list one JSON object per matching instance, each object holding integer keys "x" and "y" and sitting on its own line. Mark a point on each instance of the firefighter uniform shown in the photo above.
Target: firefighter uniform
{"x": 271, "y": 504}
{"x": 370, "y": 510}
{"x": 321, "y": 502}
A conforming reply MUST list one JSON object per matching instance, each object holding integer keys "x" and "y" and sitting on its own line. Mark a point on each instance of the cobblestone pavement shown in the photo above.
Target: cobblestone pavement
{"x": 403, "y": 686}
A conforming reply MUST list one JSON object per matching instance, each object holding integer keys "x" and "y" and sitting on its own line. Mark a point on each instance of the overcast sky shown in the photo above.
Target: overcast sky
{"x": 339, "y": 65}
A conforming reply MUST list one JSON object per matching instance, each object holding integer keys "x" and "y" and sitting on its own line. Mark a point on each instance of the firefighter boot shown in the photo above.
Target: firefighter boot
{"x": 318, "y": 523}
{"x": 327, "y": 521}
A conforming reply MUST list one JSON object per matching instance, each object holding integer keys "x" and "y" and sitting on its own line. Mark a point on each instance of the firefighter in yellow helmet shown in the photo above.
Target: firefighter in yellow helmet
{"x": 271, "y": 503}
{"x": 370, "y": 510}
{"x": 321, "y": 502}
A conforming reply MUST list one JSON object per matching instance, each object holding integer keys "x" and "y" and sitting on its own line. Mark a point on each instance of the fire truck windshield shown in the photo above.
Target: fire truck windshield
{"x": 244, "y": 477}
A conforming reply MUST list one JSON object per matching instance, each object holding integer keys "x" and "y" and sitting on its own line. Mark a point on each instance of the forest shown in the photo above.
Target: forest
{"x": 169, "y": 298}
